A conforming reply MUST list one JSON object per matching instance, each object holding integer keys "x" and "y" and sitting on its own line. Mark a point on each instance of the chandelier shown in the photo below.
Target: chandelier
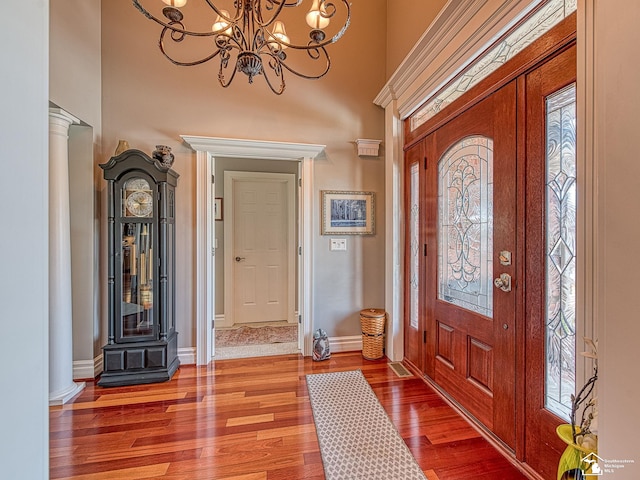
{"x": 253, "y": 40}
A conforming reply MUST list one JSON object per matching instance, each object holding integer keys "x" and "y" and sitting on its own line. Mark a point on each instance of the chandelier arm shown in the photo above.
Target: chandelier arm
{"x": 330, "y": 10}
{"x": 315, "y": 56}
{"x": 314, "y": 43}
{"x": 287, "y": 3}
{"x": 221, "y": 76}
{"x": 238, "y": 37}
{"x": 177, "y": 62}
{"x": 187, "y": 64}
{"x": 225, "y": 56}
{"x": 276, "y": 65}
{"x": 278, "y": 91}
{"x": 142, "y": 10}
{"x": 239, "y": 10}
{"x": 257, "y": 12}
{"x": 340, "y": 33}
{"x": 258, "y": 41}
{"x": 171, "y": 25}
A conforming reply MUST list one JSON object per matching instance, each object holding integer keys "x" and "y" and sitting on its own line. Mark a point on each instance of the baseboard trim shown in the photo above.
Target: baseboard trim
{"x": 221, "y": 321}
{"x": 91, "y": 369}
{"x": 187, "y": 355}
{"x": 345, "y": 344}
{"x": 87, "y": 369}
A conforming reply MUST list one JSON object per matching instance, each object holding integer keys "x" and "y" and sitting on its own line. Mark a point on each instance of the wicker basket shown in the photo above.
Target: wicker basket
{"x": 372, "y": 321}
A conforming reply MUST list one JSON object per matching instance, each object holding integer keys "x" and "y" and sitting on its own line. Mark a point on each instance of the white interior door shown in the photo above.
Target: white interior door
{"x": 262, "y": 246}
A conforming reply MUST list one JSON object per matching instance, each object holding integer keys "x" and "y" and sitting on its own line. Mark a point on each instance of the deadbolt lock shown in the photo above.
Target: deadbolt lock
{"x": 505, "y": 257}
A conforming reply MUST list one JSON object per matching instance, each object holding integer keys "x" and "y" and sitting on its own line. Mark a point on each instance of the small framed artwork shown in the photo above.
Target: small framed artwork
{"x": 348, "y": 213}
{"x": 217, "y": 209}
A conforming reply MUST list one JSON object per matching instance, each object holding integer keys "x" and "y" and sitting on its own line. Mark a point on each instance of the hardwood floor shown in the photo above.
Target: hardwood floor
{"x": 250, "y": 419}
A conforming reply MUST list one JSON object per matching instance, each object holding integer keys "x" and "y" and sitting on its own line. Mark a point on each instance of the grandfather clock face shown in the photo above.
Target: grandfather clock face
{"x": 138, "y": 198}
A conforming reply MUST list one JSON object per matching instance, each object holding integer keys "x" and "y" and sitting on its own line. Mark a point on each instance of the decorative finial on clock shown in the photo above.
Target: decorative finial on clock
{"x": 163, "y": 154}
{"x": 122, "y": 146}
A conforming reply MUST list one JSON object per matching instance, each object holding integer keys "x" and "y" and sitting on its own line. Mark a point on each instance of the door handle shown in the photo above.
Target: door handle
{"x": 503, "y": 282}
{"x": 239, "y": 259}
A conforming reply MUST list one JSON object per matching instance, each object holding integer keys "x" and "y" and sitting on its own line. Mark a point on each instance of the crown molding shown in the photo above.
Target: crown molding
{"x": 462, "y": 30}
{"x": 243, "y": 148}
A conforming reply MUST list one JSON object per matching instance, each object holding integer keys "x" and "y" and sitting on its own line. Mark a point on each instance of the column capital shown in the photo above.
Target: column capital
{"x": 57, "y": 113}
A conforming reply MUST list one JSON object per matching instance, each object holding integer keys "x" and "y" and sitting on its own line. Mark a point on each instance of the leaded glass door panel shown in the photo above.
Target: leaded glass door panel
{"x": 471, "y": 190}
{"x": 550, "y": 256}
{"x": 414, "y": 259}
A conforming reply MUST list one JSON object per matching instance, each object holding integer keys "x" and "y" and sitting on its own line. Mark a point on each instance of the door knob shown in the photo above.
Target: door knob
{"x": 503, "y": 282}
{"x": 239, "y": 258}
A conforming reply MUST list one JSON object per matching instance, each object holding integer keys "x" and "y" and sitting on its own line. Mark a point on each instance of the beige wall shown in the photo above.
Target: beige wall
{"x": 75, "y": 85}
{"x": 407, "y": 20}
{"x": 149, "y": 101}
{"x": 74, "y": 59}
{"x": 617, "y": 196}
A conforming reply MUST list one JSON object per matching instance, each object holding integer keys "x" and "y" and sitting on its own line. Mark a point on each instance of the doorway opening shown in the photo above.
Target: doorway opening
{"x": 208, "y": 149}
{"x": 256, "y": 237}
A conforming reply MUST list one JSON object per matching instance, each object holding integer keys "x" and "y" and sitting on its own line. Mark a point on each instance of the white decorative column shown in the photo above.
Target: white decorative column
{"x": 61, "y": 385}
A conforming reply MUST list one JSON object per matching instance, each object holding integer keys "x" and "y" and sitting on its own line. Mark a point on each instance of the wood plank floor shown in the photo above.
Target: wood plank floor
{"x": 250, "y": 419}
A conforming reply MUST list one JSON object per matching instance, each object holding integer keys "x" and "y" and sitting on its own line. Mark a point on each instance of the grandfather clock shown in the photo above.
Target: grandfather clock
{"x": 142, "y": 345}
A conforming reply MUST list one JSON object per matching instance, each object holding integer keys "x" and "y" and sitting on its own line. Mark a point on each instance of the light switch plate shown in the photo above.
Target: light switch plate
{"x": 338, "y": 244}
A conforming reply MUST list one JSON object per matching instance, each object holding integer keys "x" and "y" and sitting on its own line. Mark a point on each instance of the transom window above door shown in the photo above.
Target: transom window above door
{"x": 534, "y": 27}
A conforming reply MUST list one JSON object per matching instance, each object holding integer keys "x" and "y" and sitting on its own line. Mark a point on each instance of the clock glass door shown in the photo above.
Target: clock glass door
{"x": 136, "y": 310}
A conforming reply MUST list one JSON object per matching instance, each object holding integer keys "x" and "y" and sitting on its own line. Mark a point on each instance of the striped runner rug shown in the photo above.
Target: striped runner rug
{"x": 357, "y": 439}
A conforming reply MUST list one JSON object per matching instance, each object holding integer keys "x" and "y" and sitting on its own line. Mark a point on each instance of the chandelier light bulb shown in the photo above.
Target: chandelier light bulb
{"x": 315, "y": 19}
{"x": 175, "y": 3}
{"x": 221, "y": 24}
{"x": 280, "y": 33}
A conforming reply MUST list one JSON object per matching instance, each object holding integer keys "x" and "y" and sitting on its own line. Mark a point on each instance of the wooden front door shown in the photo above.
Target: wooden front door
{"x": 470, "y": 198}
{"x": 498, "y": 202}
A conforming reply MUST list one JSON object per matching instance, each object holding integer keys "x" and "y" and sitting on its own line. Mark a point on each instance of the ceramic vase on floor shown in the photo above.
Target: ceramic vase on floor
{"x": 576, "y": 461}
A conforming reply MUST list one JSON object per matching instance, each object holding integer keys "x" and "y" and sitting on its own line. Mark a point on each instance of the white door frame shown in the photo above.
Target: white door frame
{"x": 230, "y": 178}
{"x": 207, "y": 148}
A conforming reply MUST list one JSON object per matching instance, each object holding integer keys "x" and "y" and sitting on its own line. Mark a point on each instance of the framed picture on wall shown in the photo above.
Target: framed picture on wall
{"x": 217, "y": 209}
{"x": 348, "y": 213}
